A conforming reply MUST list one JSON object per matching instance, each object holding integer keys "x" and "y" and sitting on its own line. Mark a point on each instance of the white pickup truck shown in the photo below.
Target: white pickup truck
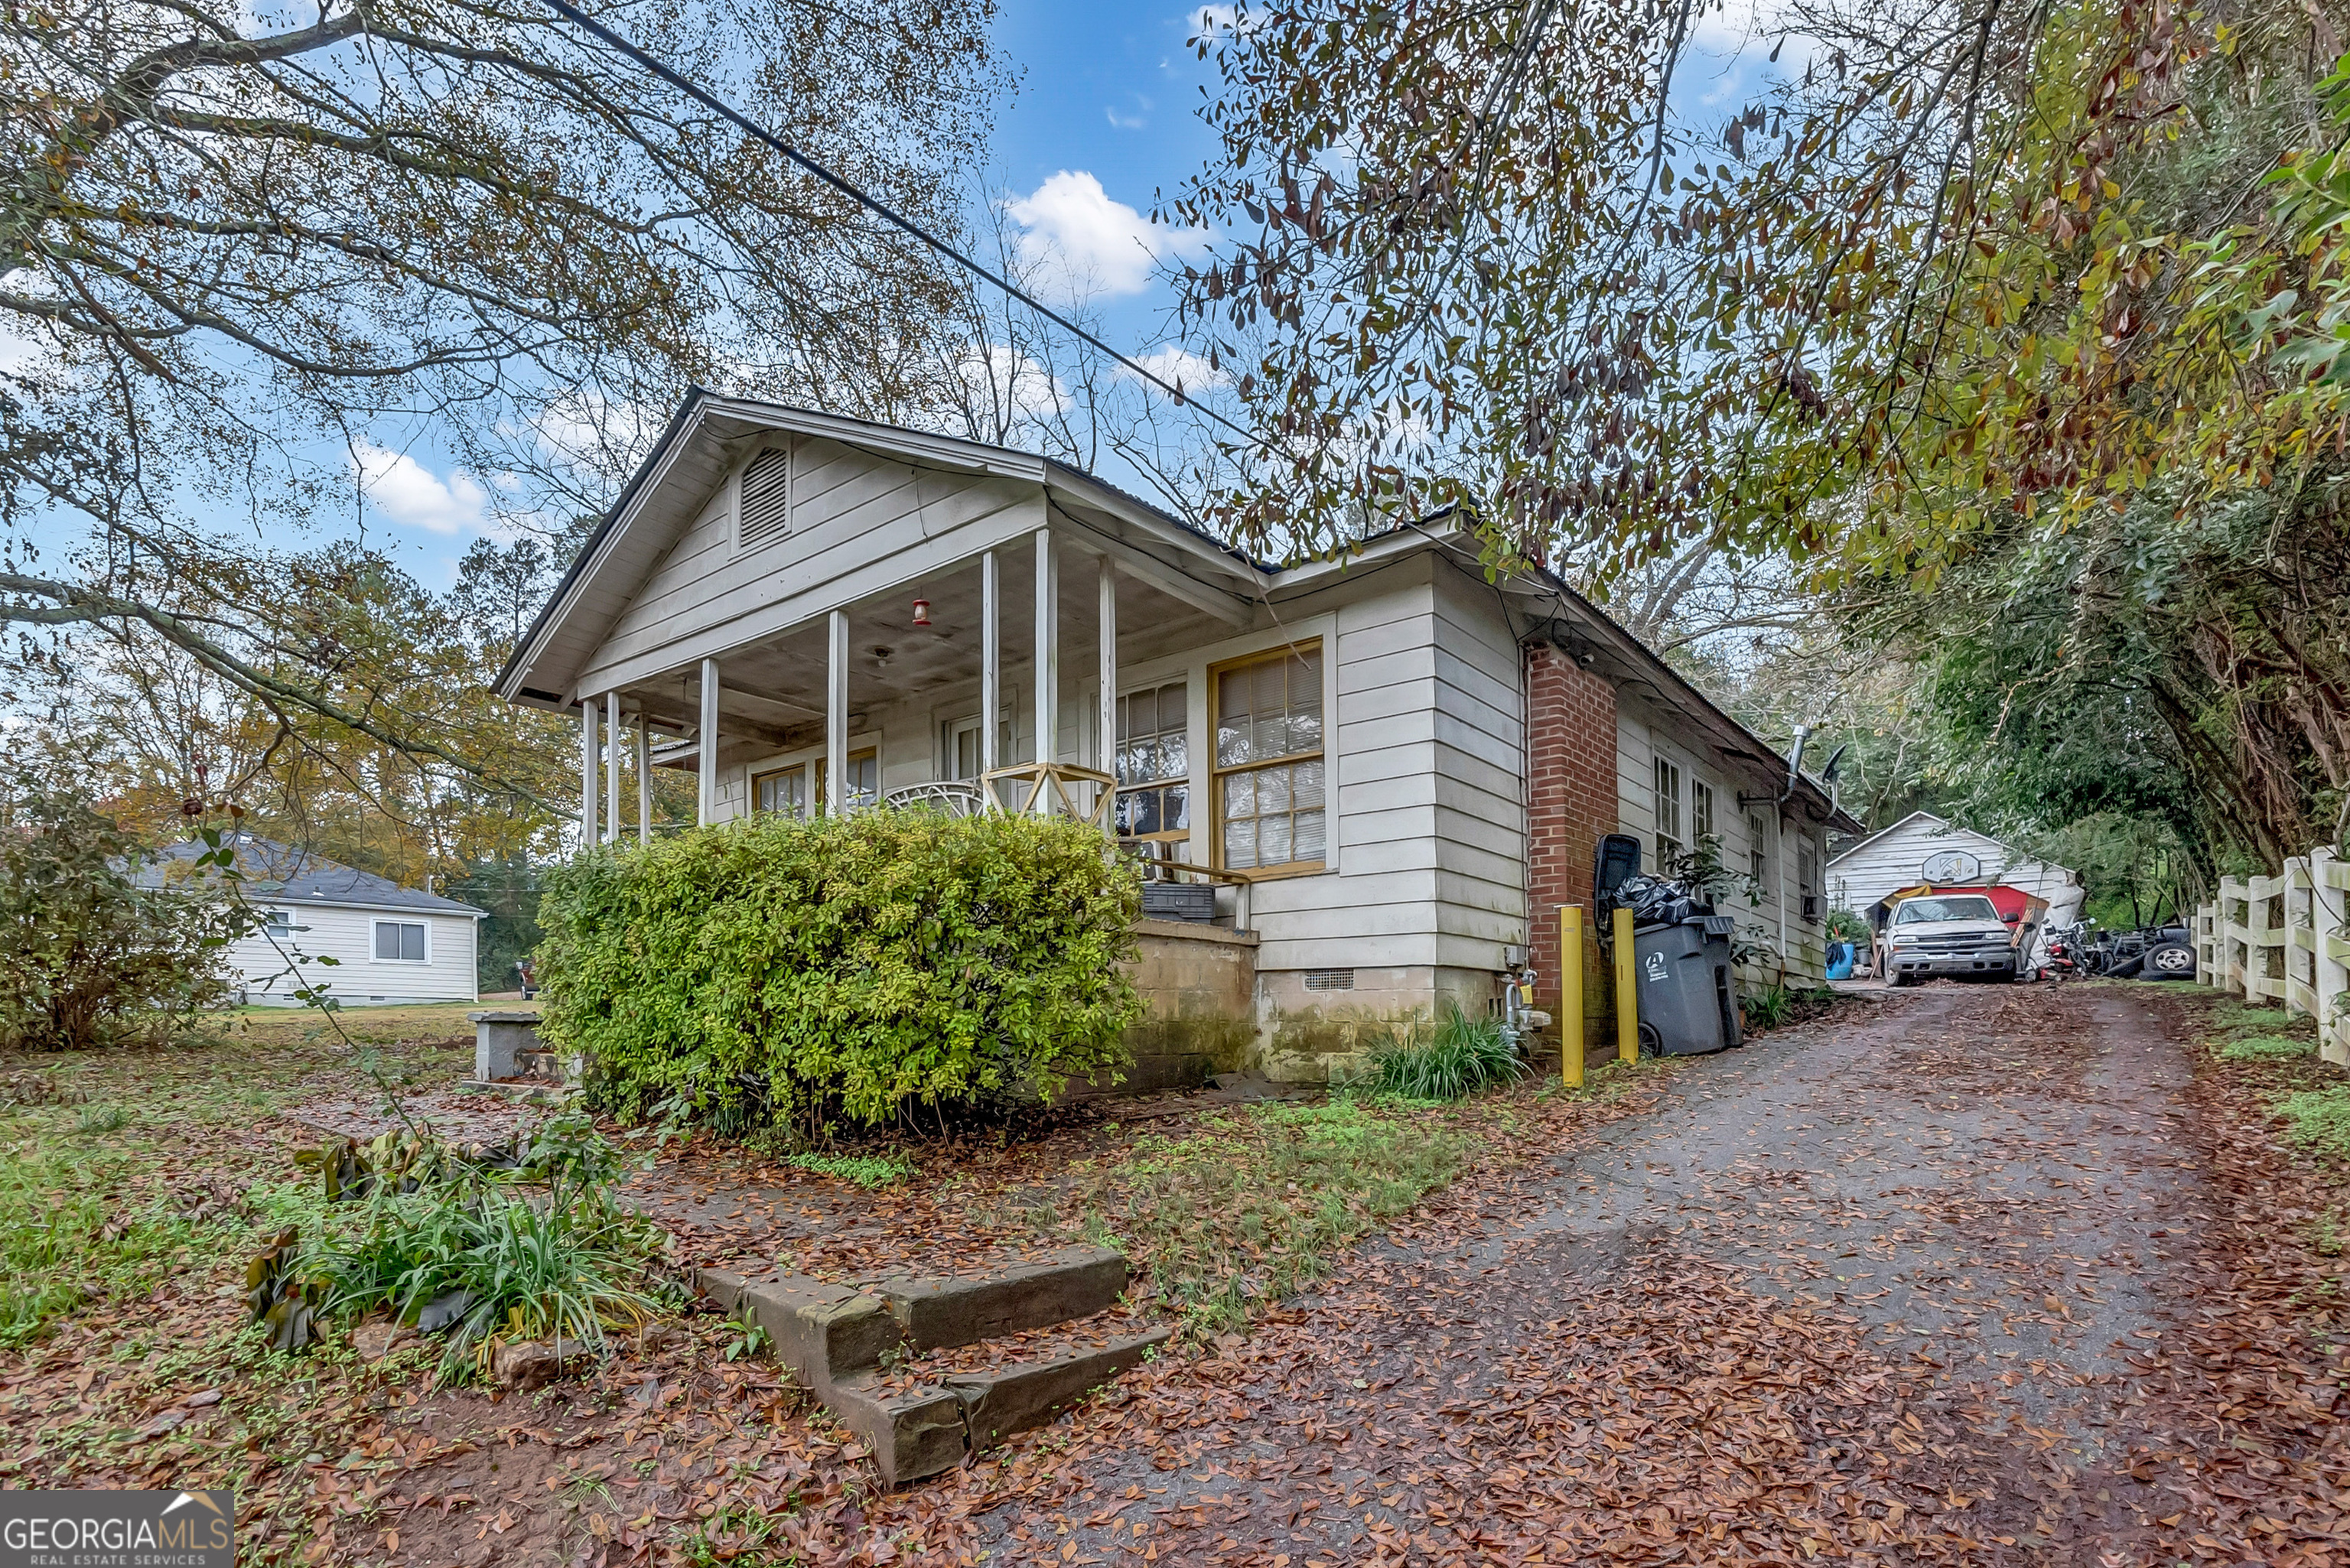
{"x": 1957, "y": 934}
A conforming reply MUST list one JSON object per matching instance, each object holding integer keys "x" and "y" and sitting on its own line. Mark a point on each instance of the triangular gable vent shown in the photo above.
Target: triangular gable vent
{"x": 764, "y": 511}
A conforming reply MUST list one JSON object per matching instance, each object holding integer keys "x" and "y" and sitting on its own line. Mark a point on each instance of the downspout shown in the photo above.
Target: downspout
{"x": 1779, "y": 831}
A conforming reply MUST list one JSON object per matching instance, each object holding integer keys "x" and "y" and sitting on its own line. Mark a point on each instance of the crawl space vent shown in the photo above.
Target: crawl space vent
{"x": 764, "y": 511}
{"x": 1329, "y": 979}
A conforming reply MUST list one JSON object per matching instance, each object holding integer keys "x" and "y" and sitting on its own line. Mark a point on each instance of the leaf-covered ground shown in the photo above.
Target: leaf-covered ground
{"x": 1973, "y": 1275}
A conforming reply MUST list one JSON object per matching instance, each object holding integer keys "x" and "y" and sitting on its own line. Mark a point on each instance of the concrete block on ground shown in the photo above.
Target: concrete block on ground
{"x": 1008, "y": 1400}
{"x": 1065, "y": 1284}
{"x": 824, "y": 1333}
{"x": 922, "y": 1432}
{"x": 499, "y": 1037}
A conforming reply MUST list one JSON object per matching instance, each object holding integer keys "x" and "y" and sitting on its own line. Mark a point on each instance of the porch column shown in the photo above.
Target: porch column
{"x": 705, "y": 810}
{"x": 611, "y": 767}
{"x": 1048, "y": 665}
{"x": 644, "y": 784}
{"x": 991, "y": 669}
{"x": 1107, "y": 725}
{"x": 835, "y": 715}
{"x": 586, "y": 775}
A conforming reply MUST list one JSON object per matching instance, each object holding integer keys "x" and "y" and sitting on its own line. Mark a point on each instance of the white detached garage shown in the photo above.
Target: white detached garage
{"x": 389, "y": 944}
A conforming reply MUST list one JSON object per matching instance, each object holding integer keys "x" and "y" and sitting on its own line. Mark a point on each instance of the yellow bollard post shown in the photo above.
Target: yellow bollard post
{"x": 1628, "y": 992}
{"x": 1570, "y": 995}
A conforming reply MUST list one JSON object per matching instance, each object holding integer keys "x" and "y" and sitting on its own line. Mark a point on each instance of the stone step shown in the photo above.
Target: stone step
{"x": 929, "y": 1427}
{"x": 826, "y": 1332}
{"x": 922, "y": 1419}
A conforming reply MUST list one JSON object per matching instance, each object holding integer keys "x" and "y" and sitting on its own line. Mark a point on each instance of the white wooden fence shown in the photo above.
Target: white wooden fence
{"x": 2285, "y": 940}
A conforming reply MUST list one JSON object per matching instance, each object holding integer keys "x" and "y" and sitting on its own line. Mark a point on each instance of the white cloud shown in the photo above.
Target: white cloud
{"x": 1076, "y": 238}
{"x": 407, "y": 492}
{"x": 1007, "y": 390}
{"x": 1188, "y": 370}
{"x": 1756, "y": 27}
{"x": 1212, "y": 21}
{"x": 1124, "y": 121}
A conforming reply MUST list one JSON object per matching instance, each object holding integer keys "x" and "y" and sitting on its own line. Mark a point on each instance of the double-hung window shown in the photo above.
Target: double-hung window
{"x": 1668, "y": 813}
{"x": 400, "y": 941}
{"x": 786, "y": 790}
{"x": 1271, "y": 795}
{"x": 1756, "y": 866}
{"x": 1701, "y": 811}
{"x": 1154, "y": 767}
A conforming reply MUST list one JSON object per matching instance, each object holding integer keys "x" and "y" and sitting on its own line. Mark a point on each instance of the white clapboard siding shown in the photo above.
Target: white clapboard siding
{"x": 1894, "y": 858}
{"x": 357, "y": 977}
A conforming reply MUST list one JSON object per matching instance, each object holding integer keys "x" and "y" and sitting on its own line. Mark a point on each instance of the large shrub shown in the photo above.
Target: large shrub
{"x": 776, "y": 968}
{"x": 89, "y": 957}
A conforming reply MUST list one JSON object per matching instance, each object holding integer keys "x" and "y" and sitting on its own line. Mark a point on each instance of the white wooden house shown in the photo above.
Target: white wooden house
{"x": 1393, "y": 769}
{"x": 389, "y": 944}
{"x": 1923, "y": 848}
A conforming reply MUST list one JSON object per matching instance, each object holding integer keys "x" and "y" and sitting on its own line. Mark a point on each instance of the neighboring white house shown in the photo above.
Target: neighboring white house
{"x": 1393, "y": 765}
{"x": 1923, "y": 848}
{"x": 391, "y": 944}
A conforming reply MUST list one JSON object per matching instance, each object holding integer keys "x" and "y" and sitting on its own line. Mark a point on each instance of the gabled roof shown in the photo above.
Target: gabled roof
{"x": 1944, "y": 825}
{"x": 693, "y": 456}
{"x": 279, "y": 873}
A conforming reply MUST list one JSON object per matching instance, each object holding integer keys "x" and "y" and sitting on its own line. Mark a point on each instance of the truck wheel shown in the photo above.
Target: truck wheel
{"x": 2171, "y": 960}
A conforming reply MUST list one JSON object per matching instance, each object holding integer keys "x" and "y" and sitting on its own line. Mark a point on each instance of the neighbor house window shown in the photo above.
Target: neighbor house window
{"x": 400, "y": 941}
{"x": 1668, "y": 813}
{"x": 786, "y": 790}
{"x": 1154, "y": 767}
{"x": 1754, "y": 861}
{"x": 1700, "y": 811}
{"x": 279, "y": 924}
{"x": 1270, "y": 793}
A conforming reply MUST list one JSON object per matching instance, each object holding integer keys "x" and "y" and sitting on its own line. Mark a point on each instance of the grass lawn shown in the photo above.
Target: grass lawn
{"x": 135, "y": 1186}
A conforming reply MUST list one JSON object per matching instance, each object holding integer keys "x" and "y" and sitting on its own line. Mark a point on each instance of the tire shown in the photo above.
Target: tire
{"x": 2169, "y": 961}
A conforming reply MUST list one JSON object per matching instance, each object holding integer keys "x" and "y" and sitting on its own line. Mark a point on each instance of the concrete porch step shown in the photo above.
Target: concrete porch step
{"x": 924, "y": 1426}
{"x": 921, "y": 1418}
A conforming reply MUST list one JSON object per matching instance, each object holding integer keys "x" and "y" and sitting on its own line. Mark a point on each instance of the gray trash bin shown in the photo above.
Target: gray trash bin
{"x": 1688, "y": 999}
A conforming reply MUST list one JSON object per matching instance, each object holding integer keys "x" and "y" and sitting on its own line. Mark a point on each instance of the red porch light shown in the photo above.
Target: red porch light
{"x": 921, "y": 612}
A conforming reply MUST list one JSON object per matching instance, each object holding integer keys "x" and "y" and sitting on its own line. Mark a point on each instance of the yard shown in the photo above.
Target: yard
{"x": 136, "y": 1186}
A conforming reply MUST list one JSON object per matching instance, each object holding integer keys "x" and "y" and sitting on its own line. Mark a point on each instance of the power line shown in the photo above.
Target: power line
{"x": 717, "y": 106}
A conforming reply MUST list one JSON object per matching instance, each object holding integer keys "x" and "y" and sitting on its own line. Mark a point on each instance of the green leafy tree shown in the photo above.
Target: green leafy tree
{"x": 92, "y": 957}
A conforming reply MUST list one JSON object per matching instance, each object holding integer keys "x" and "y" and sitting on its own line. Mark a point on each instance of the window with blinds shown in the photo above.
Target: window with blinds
{"x": 1154, "y": 765}
{"x": 763, "y": 510}
{"x": 1270, "y": 793}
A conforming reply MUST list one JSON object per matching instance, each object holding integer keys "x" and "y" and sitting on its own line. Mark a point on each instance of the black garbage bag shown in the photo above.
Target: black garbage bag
{"x": 1656, "y": 900}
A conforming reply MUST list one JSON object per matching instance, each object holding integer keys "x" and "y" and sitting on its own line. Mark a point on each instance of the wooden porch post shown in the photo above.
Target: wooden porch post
{"x": 586, "y": 773}
{"x": 1048, "y": 666}
{"x": 991, "y": 669}
{"x": 644, "y": 784}
{"x": 611, "y": 767}
{"x": 1106, "y": 722}
{"x": 835, "y": 715}
{"x": 705, "y": 809}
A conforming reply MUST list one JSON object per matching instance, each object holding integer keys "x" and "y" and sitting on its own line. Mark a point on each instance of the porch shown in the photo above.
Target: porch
{"x": 1109, "y": 684}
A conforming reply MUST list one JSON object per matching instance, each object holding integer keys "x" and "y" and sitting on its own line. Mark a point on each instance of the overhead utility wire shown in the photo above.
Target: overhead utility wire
{"x": 717, "y": 106}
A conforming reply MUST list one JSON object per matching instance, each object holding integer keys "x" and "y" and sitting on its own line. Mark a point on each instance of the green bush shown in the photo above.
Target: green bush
{"x": 89, "y": 957}
{"x": 1456, "y": 1057}
{"x": 773, "y": 968}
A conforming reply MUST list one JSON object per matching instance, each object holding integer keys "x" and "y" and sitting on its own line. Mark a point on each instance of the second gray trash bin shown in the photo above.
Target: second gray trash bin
{"x": 1689, "y": 998}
